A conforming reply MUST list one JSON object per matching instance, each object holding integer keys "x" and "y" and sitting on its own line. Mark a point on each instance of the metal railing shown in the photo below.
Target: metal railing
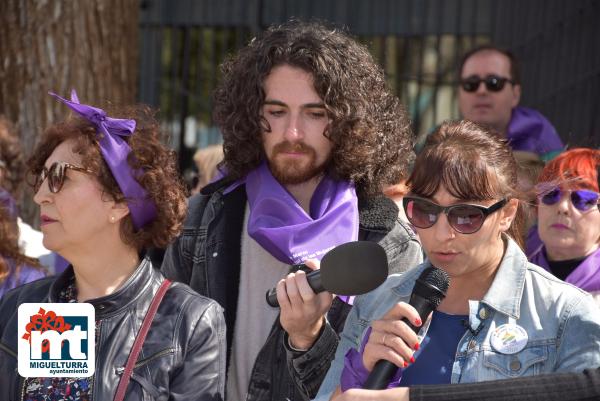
{"x": 417, "y": 42}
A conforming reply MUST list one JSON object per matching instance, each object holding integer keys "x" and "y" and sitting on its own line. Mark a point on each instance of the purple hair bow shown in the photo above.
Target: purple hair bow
{"x": 115, "y": 150}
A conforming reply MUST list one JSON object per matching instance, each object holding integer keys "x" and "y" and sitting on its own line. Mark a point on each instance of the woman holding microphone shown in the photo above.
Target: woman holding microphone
{"x": 502, "y": 316}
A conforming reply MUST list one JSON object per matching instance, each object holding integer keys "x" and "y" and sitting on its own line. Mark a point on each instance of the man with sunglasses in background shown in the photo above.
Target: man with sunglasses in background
{"x": 489, "y": 94}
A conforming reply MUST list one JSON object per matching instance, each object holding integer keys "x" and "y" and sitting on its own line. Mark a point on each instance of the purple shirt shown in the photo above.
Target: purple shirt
{"x": 16, "y": 278}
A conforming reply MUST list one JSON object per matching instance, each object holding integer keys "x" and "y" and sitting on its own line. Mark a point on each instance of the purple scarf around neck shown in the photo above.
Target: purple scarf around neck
{"x": 585, "y": 276}
{"x": 280, "y": 225}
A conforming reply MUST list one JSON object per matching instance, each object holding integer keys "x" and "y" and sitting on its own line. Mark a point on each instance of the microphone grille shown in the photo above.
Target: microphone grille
{"x": 433, "y": 284}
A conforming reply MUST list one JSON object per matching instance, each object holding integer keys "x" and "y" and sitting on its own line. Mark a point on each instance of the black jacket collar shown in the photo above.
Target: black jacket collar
{"x": 139, "y": 282}
{"x": 378, "y": 213}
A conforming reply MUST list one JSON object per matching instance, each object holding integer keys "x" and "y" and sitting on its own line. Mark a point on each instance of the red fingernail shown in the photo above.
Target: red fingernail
{"x": 416, "y": 347}
{"x": 405, "y": 364}
{"x": 418, "y": 322}
{"x": 412, "y": 359}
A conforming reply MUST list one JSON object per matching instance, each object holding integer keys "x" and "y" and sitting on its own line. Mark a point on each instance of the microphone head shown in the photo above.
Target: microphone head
{"x": 432, "y": 285}
{"x": 354, "y": 268}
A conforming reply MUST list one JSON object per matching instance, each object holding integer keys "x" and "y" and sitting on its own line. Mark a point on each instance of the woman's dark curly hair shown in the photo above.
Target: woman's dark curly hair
{"x": 160, "y": 178}
{"x": 12, "y": 170}
{"x": 12, "y": 163}
{"x": 9, "y": 246}
{"x": 369, "y": 129}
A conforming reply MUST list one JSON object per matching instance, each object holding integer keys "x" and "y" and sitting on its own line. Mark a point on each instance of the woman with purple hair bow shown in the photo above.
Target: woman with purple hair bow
{"x": 108, "y": 189}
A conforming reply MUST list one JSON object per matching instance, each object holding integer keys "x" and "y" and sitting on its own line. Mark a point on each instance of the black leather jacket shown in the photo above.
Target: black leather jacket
{"x": 207, "y": 257}
{"x": 183, "y": 356}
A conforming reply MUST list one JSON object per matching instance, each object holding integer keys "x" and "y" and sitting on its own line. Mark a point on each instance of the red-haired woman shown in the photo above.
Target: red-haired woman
{"x": 567, "y": 239}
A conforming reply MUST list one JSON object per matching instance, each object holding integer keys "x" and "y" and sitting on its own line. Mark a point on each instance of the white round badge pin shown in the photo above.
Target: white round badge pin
{"x": 509, "y": 338}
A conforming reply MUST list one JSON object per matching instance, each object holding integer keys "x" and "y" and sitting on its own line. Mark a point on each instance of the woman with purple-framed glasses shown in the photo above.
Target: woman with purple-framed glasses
{"x": 566, "y": 241}
{"x": 108, "y": 189}
{"x": 502, "y": 316}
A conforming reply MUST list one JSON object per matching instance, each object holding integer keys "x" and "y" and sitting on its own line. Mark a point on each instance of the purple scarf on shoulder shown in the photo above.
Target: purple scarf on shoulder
{"x": 528, "y": 130}
{"x": 585, "y": 276}
{"x": 280, "y": 225}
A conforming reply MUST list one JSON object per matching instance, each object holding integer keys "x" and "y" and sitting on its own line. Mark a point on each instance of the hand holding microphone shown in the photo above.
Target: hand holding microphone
{"x": 352, "y": 268}
{"x": 302, "y": 310}
{"x": 392, "y": 340}
{"x": 349, "y": 269}
{"x": 428, "y": 292}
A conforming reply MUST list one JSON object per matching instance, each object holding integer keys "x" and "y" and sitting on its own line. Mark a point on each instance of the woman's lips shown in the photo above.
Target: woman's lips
{"x": 559, "y": 226}
{"x": 46, "y": 220}
{"x": 445, "y": 256}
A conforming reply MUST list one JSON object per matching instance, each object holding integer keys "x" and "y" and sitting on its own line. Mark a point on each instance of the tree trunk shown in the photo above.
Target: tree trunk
{"x": 56, "y": 45}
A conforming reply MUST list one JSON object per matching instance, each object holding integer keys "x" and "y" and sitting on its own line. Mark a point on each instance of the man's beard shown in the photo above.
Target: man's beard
{"x": 293, "y": 172}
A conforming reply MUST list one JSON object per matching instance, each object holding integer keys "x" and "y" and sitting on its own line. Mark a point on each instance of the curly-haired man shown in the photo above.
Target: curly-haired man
{"x": 311, "y": 135}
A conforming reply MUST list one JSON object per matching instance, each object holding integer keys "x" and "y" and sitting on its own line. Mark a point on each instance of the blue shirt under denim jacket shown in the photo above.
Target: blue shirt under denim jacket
{"x": 562, "y": 322}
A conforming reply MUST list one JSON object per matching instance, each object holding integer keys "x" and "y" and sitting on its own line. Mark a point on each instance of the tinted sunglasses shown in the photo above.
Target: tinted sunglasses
{"x": 56, "y": 175}
{"x": 464, "y": 218}
{"x": 493, "y": 83}
{"x": 582, "y": 199}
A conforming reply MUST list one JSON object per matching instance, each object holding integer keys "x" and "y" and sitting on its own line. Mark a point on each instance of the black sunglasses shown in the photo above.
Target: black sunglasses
{"x": 56, "y": 175}
{"x": 464, "y": 218}
{"x": 493, "y": 83}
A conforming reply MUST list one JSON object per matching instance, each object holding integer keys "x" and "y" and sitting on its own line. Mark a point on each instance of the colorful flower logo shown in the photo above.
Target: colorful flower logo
{"x": 44, "y": 321}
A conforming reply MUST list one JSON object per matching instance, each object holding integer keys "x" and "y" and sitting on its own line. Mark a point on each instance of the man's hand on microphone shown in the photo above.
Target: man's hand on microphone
{"x": 391, "y": 339}
{"x": 302, "y": 311}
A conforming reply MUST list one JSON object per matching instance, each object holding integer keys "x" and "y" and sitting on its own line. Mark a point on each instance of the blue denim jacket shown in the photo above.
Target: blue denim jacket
{"x": 562, "y": 323}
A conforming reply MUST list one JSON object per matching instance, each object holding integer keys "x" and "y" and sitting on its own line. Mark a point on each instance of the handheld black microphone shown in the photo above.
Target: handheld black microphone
{"x": 428, "y": 292}
{"x": 352, "y": 268}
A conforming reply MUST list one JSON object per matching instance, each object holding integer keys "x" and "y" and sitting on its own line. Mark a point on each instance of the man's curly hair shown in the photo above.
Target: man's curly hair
{"x": 369, "y": 129}
{"x": 160, "y": 176}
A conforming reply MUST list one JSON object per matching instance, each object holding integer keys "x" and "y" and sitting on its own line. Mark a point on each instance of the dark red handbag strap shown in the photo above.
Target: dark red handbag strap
{"x": 139, "y": 341}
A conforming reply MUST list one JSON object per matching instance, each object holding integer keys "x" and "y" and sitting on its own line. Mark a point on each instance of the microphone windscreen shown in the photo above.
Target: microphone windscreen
{"x": 432, "y": 285}
{"x": 354, "y": 268}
